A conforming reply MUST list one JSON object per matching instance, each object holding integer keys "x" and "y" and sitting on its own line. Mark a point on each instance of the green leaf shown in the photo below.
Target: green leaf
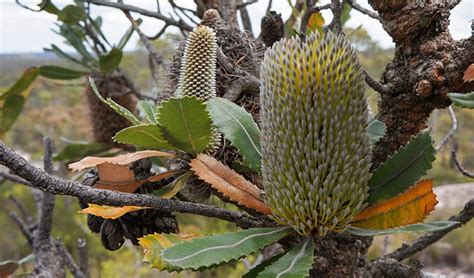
{"x": 110, "y": 61}
{"x": 55, "y": 72}
{"x": 149, "y": 109}
{"x": 296, "y": 263}
{"x": 96, "y": 25}
{"x": 402, "y": 169}
{"x": 71, "y": 15}
{"x": 78, "y": 151}
{"x": 128, "y": 34}
{"x": 76, "y": 42}
{"x": 51, "y": 8}
{"x": 237, "y": 126}
{"x": 63, "y": 55}
{"x": 168, "y": 191}
{"x": 376, "y": 130}
{"x": 463, "y": 100}
{"x": 414, "y": 228}
{"x": 186, "y": 123}
{"x": 147, "y": 136}
{"x": 119, "y": 109}
{"x": 10, "y": 111}
{"x": 217, "y": 249}
{"x": 345, "y": 13}
{"x": 21, "y": 84}
{"x": 255, "y": 272}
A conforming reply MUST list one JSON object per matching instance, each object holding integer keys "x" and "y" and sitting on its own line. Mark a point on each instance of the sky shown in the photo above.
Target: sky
{"x": 23, "y": 31}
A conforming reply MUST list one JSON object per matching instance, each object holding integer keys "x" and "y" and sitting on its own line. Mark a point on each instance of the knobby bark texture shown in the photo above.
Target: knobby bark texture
{"x": 428, "y": 64}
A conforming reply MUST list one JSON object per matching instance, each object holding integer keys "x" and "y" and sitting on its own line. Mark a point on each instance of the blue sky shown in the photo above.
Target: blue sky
{"x": 25, "y": 31}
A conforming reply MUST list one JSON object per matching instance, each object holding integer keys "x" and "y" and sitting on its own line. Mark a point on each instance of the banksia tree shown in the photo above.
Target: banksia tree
{"x": 315, "y": 151}
{"x": 198, "y": 65}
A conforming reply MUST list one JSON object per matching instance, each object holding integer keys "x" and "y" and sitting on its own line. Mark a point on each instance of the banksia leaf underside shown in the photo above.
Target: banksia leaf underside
{"x": 198, "y": 65}
{"x": 315, "y": 151}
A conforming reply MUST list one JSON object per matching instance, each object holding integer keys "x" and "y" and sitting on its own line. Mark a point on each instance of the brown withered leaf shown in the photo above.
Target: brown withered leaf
{"x": 411, "y": 206}
{"x": 469, "y": 74}
{"x": 124, "y": 159}
{"x": 229, "y": 183}
{"x": 110, "y": 212}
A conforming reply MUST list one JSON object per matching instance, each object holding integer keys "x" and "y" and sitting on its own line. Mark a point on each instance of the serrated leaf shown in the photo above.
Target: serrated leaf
{"x": 79, "y": 150}
{"x": 463, "y": 100}
{"x": 60, "y": 73}
{"x": 402, "y": 169}
{"x": 149, "y": 109}
{"x": 71, "y": 15}
{"x": 10, "y": 111}
{"x": 237, "y": 126}
{"x": 21, "y": 84}
{"x": 155, "y": 243}
{"x": 169, "y": 191}
{"x": 148, "y": 136}
{"x": 412, "y": 206}
{"x": 217, "y": 249}
{"x": 229, "y": 183}
{"x": 410, "y": 229}
{"x": 123, "y": 159}
{"x": 376, "y": 130}
{"x": 110, "y": 61}
{"x": 109, "y": 212}
{"x": 186, "y": 123}
{"x": 295, "y": 263}
{"x": 119, "y": 109}
{"x": 254, "y": 272}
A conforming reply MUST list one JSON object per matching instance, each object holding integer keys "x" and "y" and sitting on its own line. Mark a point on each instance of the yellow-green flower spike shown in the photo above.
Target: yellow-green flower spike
{"x": 198, "y": 65}
{"x": 315, "y": 151}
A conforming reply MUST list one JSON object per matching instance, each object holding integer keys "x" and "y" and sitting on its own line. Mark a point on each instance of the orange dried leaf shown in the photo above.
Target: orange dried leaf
{"x": 125, "y": 183}
{"x": 412, "y": 206}
{"x": 109, "y": 212}
{"x": 469, "y": 74}
{"x": 229, "y": 183}
{"x": 123, "y": 159}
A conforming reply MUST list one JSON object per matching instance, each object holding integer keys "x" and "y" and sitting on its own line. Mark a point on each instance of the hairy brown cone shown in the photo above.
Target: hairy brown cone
{"x": 105, "y": 121}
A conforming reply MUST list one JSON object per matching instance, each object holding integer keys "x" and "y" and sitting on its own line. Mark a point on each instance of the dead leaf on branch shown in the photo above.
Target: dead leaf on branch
{"x": 229, "y": 183}
{"x": 469, "y": 74}
{"x": 411, "y": 206}
{"x": 109, "y": 212}
{"x": 124, "y": 159}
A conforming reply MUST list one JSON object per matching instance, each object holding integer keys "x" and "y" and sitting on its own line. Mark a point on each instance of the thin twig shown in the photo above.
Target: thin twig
{"x": 357, "y": 7}
{"x": 56, "y": 185}
{"x": 41, "y": 6}
{"x": 21, "y": 208}
{"x": 14, "y": 178}
{"x": 421, "y": 243}
{"x": 269, "y": 6}
{"x": 452, "y": 131}
{"x": 460, "y": 167}
{"x": 129, "y": 8}
{"x": 377, "y": 86}
{"x": 25, "y": 230}
{"x": 68, "y": 260}
{"x": 83, "y": 257}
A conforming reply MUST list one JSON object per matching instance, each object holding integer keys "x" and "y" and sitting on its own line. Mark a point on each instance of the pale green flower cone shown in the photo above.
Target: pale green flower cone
{"x": 315, "y": 151}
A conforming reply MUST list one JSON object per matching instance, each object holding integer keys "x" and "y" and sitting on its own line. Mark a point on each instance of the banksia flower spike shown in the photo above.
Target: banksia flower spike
{"x": 315, "y": 151}
{"x": 198, "y": 65}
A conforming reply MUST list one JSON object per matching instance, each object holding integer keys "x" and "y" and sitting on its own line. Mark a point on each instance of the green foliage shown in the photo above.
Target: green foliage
{"x": 76, "y": 40}
{"x": 148, "y": 136}
{"x": 413, "y": 228}
{"x": 122, "y": 111}
{"x": 21, "y": 84}
{"x": 128, "y": 34}
{"x": 63, "y": 55}
{"x": 296, "y": 263}
{"x": 10, "y": 111}
{"x": 173, "y": 188}
{"x": 402, "y": 169}
{"x": 71, "y": 15}
{"x": 376, "y": 130}
{"x": 254, "y": 272}
{"x": 185, "y": 123}
{"x": 463, "y": 100}
{"x": 149, "y": 109}
{"x": 109, "y": 62}
{"x": 76, "y": 151}
{"x": 60, "y": 73}
{"x": 214, "y": 250}
{"x": 238, "y": 127}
